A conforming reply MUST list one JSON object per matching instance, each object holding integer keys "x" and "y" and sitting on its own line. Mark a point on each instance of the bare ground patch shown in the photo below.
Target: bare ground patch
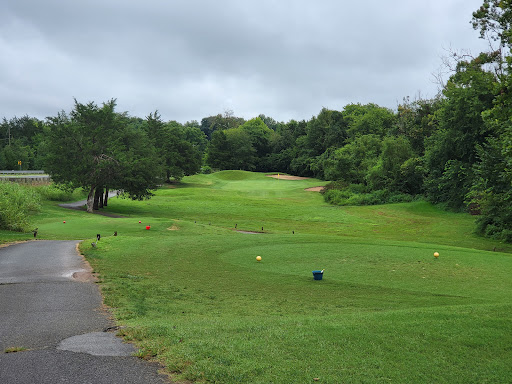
{"x": 86, "y": 275}
{"x": 249, "y": 232}
{"x": 287, "y": 177}
{"x": 3, "y": 245}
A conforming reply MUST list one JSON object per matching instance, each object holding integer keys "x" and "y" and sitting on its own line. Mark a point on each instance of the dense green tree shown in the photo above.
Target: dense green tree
{"x": 23, "y": 128}
{"x": 11, "y": 154}
{"x": 417, "y": 120}
{"x": 494, "y": 20}
{"x": 302, "y": 159}
{"x": 220, "y": 122}
{"x": 246, "y": 147}
{"x": 21, "y": 142}
{"x": 352, "y": 162}
{"x": 217, "y": 153}
{"x": 178, "y": 155}
{"x": 269, "y": 122}
{"x": 186, "y": 157}
{"x": 450, "y": 152}
{"x": 285, "y": 136}
{"x": 260, "y": 138}
{"x": 412, "y": 176}
{"x": 195, "y": 136}
{"x": 369, "y": 119}
{"x": 285, "y": 148}
{"x": 260, "y": 135}
{"x": 139, "y": 170}
{"x": 231, "y": 149}
{"x": 327, "y": 130}
{"x": 491, "y": 192}
{"x": 94, "y": 147}
{"x": 243, "y": 152}
{"x": 388, "y": 172}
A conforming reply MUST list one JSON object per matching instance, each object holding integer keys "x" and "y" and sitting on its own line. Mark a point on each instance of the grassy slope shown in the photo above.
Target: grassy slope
{"x": 386, "y": 311}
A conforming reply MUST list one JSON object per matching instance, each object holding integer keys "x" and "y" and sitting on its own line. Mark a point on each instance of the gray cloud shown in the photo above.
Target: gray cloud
{"x": 191, "y": 59}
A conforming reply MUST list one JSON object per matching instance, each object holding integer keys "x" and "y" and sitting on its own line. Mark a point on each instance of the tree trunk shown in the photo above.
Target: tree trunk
{"x": 90, "y": 199}
{"x": 100, "y": 202}
{"x": 105, "y": 200}
{"x": 95, "y": 205}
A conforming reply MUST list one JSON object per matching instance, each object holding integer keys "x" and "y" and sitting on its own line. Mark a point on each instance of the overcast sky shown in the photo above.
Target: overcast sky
{"x": 195, "y": 58}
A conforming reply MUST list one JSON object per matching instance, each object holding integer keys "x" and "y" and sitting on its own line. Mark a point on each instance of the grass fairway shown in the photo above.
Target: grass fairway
{"x": 191, "y": 293}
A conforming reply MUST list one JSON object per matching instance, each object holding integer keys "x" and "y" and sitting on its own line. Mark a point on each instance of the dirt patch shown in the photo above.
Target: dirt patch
{"x": 173, "y": 228}
{"x": 3, "y": 245}
{"x": 86, "y": 275}
{"x": 315, "y": 189}
{"x": 287, "y": 177}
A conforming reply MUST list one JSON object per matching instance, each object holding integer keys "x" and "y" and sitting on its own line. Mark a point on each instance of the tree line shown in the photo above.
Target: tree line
{"x": 454, "y": 149}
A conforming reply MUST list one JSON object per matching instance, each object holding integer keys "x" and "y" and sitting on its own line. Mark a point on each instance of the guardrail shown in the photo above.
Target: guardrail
{"x": 3, "y": 172}
{"x": 28, "y": 177}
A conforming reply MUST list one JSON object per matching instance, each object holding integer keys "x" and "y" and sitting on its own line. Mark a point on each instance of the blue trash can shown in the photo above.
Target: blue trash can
{"x": 317, "y": 275}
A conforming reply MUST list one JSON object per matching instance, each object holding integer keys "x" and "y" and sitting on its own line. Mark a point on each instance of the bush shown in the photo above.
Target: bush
{"x": 206, "y": 170}
{"x": 17, "y": 202}
{"x": 336, "y": 196}
{"x": 355, "y": 194}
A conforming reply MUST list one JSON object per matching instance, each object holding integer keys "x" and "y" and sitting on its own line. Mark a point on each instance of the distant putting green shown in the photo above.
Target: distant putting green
{"x": 192, "y": 294}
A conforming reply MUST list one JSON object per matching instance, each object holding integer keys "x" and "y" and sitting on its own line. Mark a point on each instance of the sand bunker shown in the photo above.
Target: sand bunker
{"x": 315, "y": 189}
{"x": 287, "y": 177}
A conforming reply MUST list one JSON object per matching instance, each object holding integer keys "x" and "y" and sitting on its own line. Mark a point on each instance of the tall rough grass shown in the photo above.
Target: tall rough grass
{"x": 17, "y": 203}
{"x": 53, "y": 193}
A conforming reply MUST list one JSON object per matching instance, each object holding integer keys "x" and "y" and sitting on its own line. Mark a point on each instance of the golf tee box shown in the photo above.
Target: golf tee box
{"x": 317, "y": 275}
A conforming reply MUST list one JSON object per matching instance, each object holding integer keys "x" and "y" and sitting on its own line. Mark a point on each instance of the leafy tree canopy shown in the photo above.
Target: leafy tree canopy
{"x": 94, "y": 147}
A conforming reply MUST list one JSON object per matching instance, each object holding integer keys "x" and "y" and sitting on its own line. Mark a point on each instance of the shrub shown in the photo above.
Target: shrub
{"x": 206, "y": 170}
{"x": 355, "y": 194}
{"x": 17, "y": 202}
{"x": 336, "y": 196}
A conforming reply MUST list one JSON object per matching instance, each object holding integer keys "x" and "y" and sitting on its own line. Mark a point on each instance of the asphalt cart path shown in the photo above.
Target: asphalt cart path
{"x": 53, "y": 328}
{"x": 80, "y": 205}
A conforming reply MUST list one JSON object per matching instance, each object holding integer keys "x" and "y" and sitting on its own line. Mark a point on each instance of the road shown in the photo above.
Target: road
{"x": 57, "y": 322}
